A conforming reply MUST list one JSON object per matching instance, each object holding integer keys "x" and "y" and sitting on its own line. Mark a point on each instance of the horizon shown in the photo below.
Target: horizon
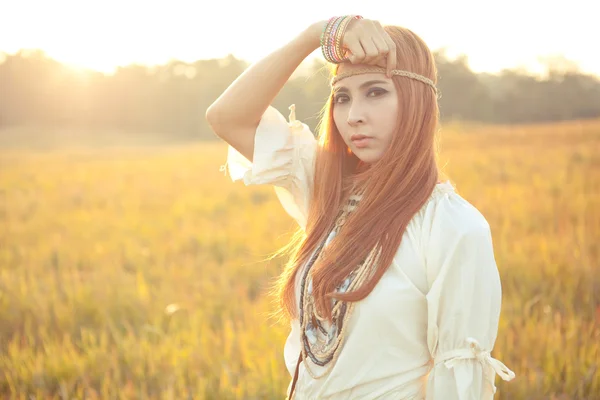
{"x": 303, "y": 68}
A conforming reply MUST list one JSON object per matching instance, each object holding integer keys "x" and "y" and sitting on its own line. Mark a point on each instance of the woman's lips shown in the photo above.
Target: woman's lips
{"x": 361, "y": 142}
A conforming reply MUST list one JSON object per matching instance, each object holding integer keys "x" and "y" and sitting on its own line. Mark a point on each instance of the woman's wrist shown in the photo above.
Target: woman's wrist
{"x": 313, "y": 33}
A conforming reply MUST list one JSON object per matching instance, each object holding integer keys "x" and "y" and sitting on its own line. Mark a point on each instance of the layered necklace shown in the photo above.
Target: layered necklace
{"x": 322, "y": 340}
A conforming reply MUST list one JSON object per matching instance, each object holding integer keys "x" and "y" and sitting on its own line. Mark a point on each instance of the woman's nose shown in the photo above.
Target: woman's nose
{"x": 355, "y": 116}
{"x": 354, "y": 121}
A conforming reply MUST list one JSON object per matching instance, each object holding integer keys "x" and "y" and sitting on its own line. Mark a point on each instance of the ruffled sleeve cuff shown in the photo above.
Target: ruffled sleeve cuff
{"x": 284, "y": 155}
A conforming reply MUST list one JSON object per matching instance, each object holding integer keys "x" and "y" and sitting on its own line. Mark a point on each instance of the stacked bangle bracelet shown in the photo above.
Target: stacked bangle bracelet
{"x": 332, "y": 38}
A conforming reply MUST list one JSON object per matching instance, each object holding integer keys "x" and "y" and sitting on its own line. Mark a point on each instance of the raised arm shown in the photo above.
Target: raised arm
{"x": 235, "y": 115}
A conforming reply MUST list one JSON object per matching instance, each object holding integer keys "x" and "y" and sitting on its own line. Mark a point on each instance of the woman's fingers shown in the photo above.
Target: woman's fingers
{"x": 357, "y": 54}
{"x": 371, "y": 50}
{"x": 369, "y": 43}
{"x": 391, "y": 62}
{"x": 379, "y": 39}
{"x": 382, "y": 51}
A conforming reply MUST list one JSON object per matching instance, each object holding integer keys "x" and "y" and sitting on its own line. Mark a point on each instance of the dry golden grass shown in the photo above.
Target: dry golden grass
{"x": 139, "y": 273}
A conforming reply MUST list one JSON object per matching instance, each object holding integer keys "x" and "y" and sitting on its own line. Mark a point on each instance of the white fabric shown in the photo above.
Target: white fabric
{"x": 427, "y": 329}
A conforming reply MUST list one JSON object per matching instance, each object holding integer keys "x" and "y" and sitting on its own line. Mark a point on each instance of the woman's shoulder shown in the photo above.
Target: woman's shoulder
{"x": 448, "y": 211}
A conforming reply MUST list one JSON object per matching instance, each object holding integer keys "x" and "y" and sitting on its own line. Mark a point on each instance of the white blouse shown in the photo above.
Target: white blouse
{"x": 427, "y": 329}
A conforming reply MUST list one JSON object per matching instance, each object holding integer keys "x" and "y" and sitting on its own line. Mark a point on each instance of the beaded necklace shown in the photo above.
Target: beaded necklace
{"x": 321, "y": 341}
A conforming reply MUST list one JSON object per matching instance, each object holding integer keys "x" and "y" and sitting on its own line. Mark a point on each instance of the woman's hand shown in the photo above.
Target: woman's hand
{"x": 368, "y": 43}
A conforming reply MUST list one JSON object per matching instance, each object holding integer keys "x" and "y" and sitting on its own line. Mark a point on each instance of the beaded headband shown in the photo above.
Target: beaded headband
{"x": 399, "y": 72}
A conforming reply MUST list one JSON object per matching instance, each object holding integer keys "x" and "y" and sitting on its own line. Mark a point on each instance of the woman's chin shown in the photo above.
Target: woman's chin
{"x": 367, "y": 156}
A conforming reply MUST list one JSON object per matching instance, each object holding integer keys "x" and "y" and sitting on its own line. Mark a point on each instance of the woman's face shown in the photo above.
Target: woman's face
{"x": 365, "y": 104}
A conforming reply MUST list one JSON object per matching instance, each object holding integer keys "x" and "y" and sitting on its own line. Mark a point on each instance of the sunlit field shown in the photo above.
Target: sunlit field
{"x": 140, "y": 272}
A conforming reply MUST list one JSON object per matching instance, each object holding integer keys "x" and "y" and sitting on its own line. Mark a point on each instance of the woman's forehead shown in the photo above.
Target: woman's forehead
{"x": 349, "y": 67}
{"x": 358, "y": 79}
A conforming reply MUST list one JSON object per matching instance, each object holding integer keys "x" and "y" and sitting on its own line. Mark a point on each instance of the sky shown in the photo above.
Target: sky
{"x": 105, "y": 34}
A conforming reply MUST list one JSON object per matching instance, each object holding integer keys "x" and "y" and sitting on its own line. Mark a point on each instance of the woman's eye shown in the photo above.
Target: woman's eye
{"x": 343, "y": 98}
{"x": 376, "y": 92}
{"x": 340, "y": 98}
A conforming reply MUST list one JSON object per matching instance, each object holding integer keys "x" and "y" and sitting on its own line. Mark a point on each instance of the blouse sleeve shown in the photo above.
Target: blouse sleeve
{"x": 464, "y": 302}
{"x": 284, "y": 154}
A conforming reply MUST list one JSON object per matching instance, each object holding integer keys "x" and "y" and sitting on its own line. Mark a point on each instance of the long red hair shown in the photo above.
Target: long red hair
{"x": 395, "y": 188}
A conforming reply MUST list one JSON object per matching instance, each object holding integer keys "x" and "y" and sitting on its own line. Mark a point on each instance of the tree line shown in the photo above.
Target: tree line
{"x": 171, "y": 99}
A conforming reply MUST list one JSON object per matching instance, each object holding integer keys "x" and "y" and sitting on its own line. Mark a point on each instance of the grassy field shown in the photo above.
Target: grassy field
{"x": 139, "y": 272}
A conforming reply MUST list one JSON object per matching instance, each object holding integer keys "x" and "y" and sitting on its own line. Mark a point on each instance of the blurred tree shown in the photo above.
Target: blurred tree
{"x": 170, "y": 100}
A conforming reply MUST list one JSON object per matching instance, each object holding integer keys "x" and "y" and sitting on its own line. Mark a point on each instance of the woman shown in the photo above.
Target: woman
{"x": 392, "y": 290}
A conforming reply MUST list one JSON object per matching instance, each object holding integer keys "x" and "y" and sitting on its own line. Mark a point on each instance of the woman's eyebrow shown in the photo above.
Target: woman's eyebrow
{"x": 362, "y": 86}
